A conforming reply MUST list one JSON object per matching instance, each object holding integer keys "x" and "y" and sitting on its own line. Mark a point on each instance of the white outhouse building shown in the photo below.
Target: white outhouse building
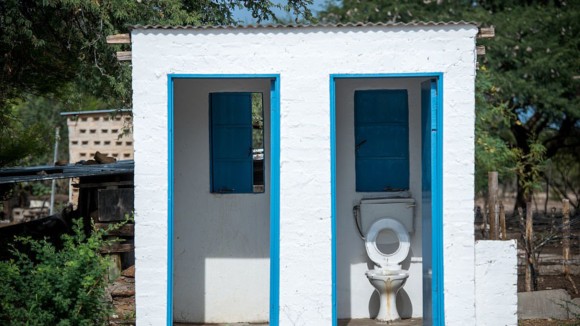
{"x": 305, "y": 175}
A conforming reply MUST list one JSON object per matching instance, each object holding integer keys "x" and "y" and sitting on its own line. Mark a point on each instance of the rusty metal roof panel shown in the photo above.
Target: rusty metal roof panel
{"x": 50, "y": 172}
{"x": 321, "y": 25}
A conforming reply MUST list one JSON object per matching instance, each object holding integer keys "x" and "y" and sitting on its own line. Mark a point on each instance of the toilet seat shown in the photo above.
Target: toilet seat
{"x": 381, "y": 259}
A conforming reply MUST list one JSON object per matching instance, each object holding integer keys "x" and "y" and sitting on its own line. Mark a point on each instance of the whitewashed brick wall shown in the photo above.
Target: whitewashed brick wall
{"x": 496, "y": 283}
{"x": 304, "y": 58}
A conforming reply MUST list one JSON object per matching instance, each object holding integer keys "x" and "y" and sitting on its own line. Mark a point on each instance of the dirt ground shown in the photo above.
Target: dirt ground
{"x": 551, "y": 282}
{"x": 548, "y": 322}
{"x": 546, "y": 227}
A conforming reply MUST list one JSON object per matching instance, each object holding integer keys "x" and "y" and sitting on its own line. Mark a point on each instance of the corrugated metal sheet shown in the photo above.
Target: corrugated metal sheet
{"x": 50, "y": 172}
{"x": 321, "y": 25}
{"x": 95, "y": 112}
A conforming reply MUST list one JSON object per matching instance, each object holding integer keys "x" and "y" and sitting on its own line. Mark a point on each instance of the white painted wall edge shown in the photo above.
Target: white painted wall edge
{"x": 496, "y": 283}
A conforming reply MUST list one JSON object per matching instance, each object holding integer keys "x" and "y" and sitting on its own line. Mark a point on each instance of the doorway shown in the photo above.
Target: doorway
{"x": 416, "y": 100}
{"x": 224, "y": 195}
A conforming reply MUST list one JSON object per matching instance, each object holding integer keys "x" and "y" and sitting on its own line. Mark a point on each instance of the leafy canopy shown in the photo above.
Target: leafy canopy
{"x": 57, "y": 49}
{"x": 46, "y": 44}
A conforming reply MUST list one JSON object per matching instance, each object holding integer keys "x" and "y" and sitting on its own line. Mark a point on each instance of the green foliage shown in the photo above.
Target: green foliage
{"x": 18, "y": 141}
{"x": 394, "y": 11}
{"x": 56, "y": 50}
{"x": 47, "y": 286}
{"x": 257, "y": 121}
{"x": 45, "y": 45}
{"x": 564, "y": 177}
{"x": 40, "y": 188}
{"x": 44, "y": 113}
{"x": 532, "y": 62}
{"x": 492, "y": 153}
{"x": 530, "y": 167}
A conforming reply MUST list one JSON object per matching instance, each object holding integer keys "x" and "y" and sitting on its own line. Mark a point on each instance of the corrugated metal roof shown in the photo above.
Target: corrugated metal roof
{"x": 323, "y": 25}
{"x": 50, "y": 172}
{"x": 95, "y": 112}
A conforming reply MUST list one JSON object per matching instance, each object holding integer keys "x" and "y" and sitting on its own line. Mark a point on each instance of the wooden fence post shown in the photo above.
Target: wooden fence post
{"x": 492, "y": 203}
{"x": 484, "y": 222}
{"x": 529, "y": 243}
{"x": 566, "y": 234}
{"x": 502, "y": 221}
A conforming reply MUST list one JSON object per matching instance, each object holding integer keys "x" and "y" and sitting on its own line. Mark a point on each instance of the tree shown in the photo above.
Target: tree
{"x": 563, "y": 177}
{"x": 47, "y": 44}
{"x": 50, "y": 48}
{"x": 532, "y": 73}
{"x": 533, "y": 60}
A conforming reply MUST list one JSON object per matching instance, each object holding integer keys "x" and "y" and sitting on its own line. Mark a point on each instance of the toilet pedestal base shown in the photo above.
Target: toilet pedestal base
{"x": 388, "y": 307}
{"x": 387, "y": 287}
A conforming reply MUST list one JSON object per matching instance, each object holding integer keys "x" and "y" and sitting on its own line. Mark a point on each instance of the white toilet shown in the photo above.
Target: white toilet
{"x": 387, "y": 277}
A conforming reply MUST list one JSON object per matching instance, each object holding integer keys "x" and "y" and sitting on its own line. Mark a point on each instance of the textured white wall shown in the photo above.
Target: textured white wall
{"x": 304, "y": 57}
{"x": 221, "y": 241}
{"x": 356, "y": 298}
{"x": 496, "y": 283}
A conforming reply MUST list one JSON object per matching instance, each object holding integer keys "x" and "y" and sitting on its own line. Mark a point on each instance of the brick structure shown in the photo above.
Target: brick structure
{"x": 106, "y": 131}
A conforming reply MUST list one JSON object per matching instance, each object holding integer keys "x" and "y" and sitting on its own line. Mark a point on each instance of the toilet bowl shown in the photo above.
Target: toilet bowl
{"x": 387, "y": 277}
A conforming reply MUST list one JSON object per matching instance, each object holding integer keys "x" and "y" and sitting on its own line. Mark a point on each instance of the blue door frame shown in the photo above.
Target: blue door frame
{"x": 438, "y": 317}
{"x": 274, "y": 186}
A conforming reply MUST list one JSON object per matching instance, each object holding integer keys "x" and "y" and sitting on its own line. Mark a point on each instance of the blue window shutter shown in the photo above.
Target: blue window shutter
{"x": 231, "y": 142}
{"x": 381, "y": 140}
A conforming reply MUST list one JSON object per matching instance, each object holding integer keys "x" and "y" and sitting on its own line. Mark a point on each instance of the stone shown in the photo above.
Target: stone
{"x": 543, "y": 304}
{"x": 574, "y": 309}
{"x": 129, "y": 272}
{"x": 121, "y": 288}
{"x": 104, "y": 159}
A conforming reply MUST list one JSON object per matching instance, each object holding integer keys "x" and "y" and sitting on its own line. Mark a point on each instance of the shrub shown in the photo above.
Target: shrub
{"x": 41, "y": 285}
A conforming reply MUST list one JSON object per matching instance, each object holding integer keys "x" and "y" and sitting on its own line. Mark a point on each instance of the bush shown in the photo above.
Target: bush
{"x": 41, "y": 285}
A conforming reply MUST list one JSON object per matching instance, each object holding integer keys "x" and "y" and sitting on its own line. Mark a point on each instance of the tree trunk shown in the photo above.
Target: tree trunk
{"x": 520, "y": 195}
{"x": 502, "y": 221}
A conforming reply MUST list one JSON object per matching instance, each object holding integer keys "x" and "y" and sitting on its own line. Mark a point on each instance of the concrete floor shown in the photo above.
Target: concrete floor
{"x": 341, "y": 322}
{"x": 226, "y": 324}
{"x": 372, "y": 322}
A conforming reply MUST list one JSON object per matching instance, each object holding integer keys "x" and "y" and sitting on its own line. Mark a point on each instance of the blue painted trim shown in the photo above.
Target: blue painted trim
{"x": 437, "y": 189}
{"x": 275, "y": 201}
{"x": 394, "y": 75}
{"x": 274, "y": 187}
{"x": 333, "y": 196}
{"x": 225, "y": 76}
{"x": 437, "y": 214}
{"x": 169, "y": 317}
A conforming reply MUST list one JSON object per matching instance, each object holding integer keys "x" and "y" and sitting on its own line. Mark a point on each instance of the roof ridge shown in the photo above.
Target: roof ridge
{"x": 352, "y": 24}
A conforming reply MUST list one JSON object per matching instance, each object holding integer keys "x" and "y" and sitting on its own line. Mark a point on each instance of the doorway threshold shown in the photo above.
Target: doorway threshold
{"x": 221, "y": 324}
{"x": 372, "y": 322}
